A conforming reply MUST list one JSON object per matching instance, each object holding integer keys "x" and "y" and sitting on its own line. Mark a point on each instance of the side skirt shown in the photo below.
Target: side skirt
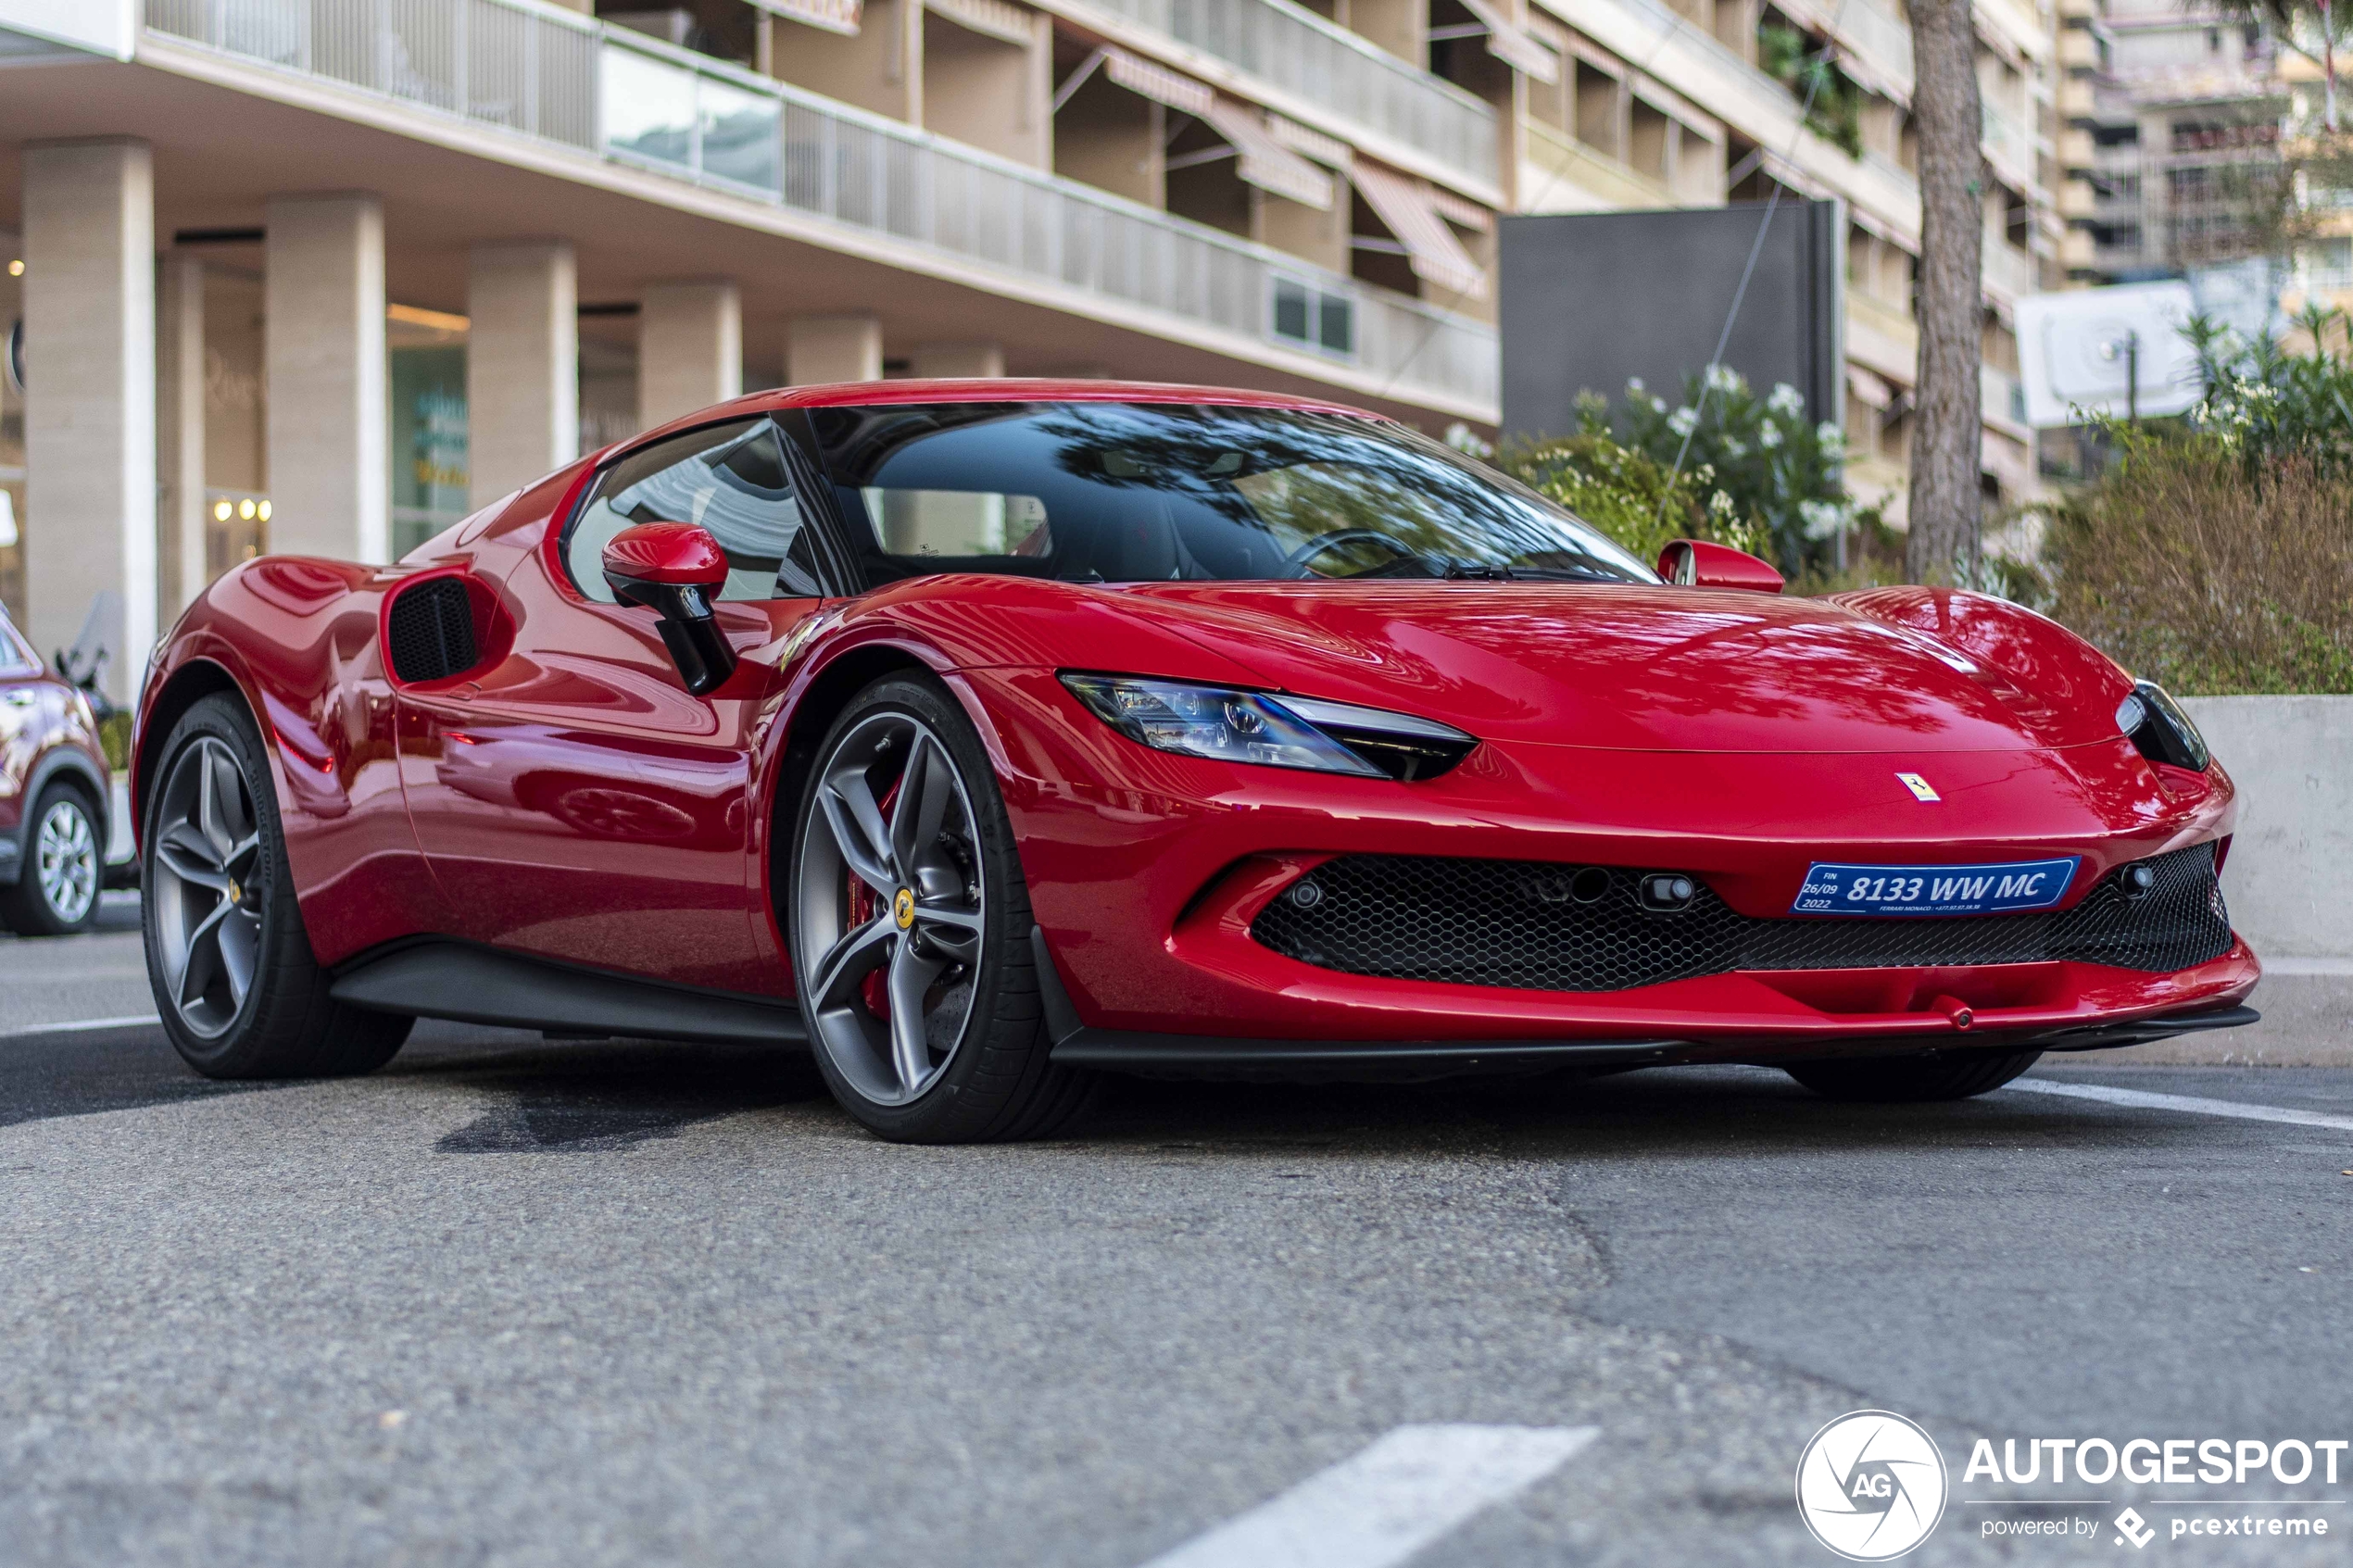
{"x": 440, "y": 977}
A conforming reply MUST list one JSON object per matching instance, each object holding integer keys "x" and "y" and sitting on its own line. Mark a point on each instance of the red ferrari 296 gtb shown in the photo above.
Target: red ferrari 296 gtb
{"x": 983, "y": 737}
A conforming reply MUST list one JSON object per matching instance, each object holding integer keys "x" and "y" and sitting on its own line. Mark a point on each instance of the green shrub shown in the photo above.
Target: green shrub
{"x": 1834, "y": 105}
{"x": 2262, "y": 401}
{"x": 2208, "y": 573}
{"x": 1627, "y": 492}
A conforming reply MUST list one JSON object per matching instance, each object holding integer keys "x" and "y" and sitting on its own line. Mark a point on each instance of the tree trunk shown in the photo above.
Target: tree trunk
{"x": 1947, "y": 423}
{"x": 2328, "y": 62}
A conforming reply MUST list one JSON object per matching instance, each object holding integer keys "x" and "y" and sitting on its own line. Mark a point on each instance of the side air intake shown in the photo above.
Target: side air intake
{"x": 429, "y": 633}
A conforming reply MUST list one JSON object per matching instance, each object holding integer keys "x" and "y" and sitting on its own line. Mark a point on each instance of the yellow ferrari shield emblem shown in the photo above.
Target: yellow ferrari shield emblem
{"x": 902, "y": 907}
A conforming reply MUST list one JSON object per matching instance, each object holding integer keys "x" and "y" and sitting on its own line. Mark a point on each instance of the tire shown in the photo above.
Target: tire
{"x": 220, "y": 898}
{"x": 64, "y": 861}
{"x": 954, "y": 934}
{"x": 1897, "y": 1080}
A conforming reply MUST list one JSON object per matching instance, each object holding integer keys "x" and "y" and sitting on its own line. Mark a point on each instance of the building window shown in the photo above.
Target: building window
{"x": 1315, "y": 317}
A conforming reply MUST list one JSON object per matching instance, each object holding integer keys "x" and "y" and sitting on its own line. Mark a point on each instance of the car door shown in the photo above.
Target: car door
{"x": 20, "y": 735}
{"x": 573, "y": 801}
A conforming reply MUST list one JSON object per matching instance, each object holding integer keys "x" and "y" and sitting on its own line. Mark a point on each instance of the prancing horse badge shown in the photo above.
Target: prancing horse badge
{"x": 1920, "y": 786}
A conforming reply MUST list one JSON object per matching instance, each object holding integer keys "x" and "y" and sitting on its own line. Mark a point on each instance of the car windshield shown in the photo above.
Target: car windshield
{"x": 1137, "y": 493}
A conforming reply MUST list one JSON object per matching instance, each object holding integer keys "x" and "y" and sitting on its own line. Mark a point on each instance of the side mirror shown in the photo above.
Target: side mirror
{"x": 673, "y": 569}
{"x": 1702, "y": 563}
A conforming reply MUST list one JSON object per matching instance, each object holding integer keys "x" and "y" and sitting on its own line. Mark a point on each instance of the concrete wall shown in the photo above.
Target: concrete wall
{"x": 2291, "y": 859}
{"x": 2290, "y": 864}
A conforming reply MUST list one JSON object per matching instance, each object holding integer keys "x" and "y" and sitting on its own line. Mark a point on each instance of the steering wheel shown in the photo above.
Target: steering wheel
{"x": 1332, "y": 541}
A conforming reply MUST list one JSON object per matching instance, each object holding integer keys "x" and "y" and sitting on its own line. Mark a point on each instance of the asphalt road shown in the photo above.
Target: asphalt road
{"x": 511, "y": 1302}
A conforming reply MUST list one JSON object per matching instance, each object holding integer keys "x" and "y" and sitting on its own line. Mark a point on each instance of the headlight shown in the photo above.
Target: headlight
{"x": 2156, "y": 725}
{"x": 1273, "y": 731}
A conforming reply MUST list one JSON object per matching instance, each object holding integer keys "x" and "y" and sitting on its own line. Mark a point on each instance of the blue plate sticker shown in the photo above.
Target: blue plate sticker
{"x": 1833, "y": 889}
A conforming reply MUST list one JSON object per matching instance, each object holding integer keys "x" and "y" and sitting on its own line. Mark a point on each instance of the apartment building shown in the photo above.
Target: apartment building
{"x": 325, "y": 274}
{"x": 2175, "y": 117}
{"x": 1695, "y": 102}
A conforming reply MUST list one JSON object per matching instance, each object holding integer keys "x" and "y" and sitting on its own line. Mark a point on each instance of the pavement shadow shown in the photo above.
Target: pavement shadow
{"x": 85, "y": 1071}
{"x": 588, "y": 1096}
{"x": 1728, "y": 1112}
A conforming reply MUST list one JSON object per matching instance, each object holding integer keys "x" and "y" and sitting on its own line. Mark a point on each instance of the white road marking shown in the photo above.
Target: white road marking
{"x": 2144, "y": 1100}
{"x": 86, "y": 1026}
{"x": 1388, "y": 1502}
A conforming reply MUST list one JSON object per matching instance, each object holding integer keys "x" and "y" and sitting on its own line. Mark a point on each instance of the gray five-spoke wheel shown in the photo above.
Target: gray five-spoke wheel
{"x": 66, "y": 861}
{"x": 890, "y": 903}
{"x": 207, "y": 907}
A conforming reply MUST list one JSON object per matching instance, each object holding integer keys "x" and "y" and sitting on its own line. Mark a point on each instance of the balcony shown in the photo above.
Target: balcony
{"x": 2009, "y": 271}
{"x": 1322, "y": 67}
{"x": 872, "y": 185}
{"x": 2002, "y": 402}
{"x": 1569, "y": 165}
{"x": 1881, "y": 338}
{"x": 2008, "y": 144}
{"x": 1760, "y": 108}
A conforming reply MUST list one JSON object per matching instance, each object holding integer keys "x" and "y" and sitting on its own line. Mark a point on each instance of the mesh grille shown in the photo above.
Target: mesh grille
{"x": 1520, "y": 924}
{"x": 431, "y": 631}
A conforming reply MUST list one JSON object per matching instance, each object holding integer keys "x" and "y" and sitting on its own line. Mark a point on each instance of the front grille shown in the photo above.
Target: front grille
{"x": 1521, "y": 924}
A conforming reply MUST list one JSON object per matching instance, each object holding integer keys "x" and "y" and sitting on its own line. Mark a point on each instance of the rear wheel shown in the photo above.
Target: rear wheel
{"x": 241, "y": 994}
{"x": 1898, "y": 1079}
{"x": 910, "y": 928}
{"x": 57, "y": 888}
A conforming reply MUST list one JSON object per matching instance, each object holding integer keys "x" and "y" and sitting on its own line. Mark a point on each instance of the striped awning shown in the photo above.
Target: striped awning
{"x": 1265, "y": 162}
{"x": 1431, "y": 249}
{"x": 1513, "y": 44}
{"x": 1158, "y": 83}
{"x": 833, "y": 16}
{"x": 990, "y": 18}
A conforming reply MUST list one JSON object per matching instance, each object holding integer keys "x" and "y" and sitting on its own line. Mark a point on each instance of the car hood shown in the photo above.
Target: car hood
{"x": 1619, "y": 666}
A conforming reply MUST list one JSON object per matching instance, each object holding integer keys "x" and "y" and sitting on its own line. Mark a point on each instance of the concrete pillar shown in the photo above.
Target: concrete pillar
{"x": 959, "y": 361}
{"x": 90, "y": 403}
{"x": 690, "y": 349}
{"x": 833, "y": 348}
{"x": 523, "y": 364}
{"x": 179, "y": 437}
{"x": 323, "y": 358}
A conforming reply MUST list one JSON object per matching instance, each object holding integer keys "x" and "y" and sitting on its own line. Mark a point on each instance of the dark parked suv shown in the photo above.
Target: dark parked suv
{"x": 53, "y": 797}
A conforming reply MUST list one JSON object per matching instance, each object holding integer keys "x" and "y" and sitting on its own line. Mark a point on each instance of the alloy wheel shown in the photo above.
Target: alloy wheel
{"x": 205, "y": 887}
{"x": 66, "y": 861}
{"x": 891, "y": 906}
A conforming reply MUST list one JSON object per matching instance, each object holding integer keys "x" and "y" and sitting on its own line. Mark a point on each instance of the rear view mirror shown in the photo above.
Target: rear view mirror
{"x": 1702, "y": 563}
{"x": 674, "y": 569}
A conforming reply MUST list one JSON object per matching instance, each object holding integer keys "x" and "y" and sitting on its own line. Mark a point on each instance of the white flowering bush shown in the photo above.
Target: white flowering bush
{"x": 2263, "y": 402}
{"x": 1781, "y": 474}
{"x": 1629, "y": 494}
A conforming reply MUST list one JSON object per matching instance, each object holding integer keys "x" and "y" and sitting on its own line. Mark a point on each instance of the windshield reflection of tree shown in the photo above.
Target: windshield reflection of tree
{"x": 1388, "y": 509}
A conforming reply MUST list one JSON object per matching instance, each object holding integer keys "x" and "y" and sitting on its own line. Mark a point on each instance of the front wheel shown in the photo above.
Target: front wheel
{"x": 241, "y": 994}
{"x": 1889, "y": 1080}
{"x": 57, "y": 890}
{"x": 909, "y": 921}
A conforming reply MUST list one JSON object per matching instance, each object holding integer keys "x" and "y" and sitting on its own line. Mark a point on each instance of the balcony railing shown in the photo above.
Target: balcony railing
{"x": 1300, "y": 53}
{"x": 532, "y": 71}
{"x": 2009, "y": 271}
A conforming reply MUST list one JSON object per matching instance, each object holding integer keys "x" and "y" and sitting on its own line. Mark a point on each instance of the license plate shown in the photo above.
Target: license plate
{"x": 1833, "y": 889}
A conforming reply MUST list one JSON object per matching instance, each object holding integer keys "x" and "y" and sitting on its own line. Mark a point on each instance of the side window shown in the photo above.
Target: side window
{"x": 16, "y": 654}
{"x": 731, "y": 480}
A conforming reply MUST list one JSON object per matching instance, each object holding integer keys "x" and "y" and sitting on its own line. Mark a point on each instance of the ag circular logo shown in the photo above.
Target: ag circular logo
{"x": 1871, "y": 1486}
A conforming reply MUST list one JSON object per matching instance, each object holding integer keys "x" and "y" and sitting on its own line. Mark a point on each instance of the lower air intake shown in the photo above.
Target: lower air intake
{"x": 429, "y": 635}
{"x": 1538, "y": 926}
